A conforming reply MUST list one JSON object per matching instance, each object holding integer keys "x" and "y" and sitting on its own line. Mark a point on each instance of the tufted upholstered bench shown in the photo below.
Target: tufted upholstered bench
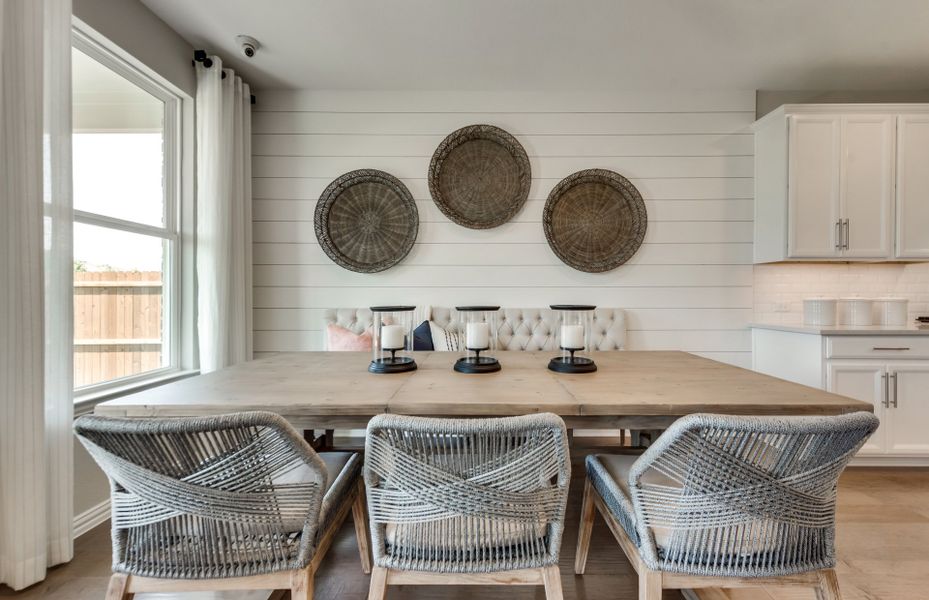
{"x": 517, "y": 328}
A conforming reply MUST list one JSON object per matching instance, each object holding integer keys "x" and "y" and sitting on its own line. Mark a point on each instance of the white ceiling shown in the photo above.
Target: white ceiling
{"x": 566, "y": 44}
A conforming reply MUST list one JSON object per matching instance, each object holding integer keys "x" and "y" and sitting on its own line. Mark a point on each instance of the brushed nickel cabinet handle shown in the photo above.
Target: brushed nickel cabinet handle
{"x": 894, "y": 376}
{"x": 885, "y": 401}
{"x": 838, "y": 234}
{"x": 847, "y": 237}
{"x": 891, "y": 348}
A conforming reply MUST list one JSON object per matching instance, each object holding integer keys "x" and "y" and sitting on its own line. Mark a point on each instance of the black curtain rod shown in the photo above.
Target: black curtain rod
{"x": 201, "y": 57}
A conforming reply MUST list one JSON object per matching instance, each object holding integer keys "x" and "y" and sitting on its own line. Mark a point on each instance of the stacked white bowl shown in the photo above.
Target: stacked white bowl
{"x": 890, "y": 311}
{"x": 856, "y": 311}
{"x": 819, "y": 311}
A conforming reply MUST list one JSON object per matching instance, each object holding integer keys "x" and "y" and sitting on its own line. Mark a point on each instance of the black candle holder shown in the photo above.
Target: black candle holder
{"x": 477, "y": 363}
{"x": 392, "y": 364}
{"x": 572, "y": 364}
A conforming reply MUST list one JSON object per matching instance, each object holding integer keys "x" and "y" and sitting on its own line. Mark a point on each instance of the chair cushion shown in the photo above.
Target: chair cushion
{"x": 463, "y": 532}
{"x": 344, "y": 470}
{"x": 609, "y": 474}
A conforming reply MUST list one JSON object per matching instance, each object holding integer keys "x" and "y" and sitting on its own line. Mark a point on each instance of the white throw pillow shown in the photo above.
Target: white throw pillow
{"x": 444, "y": 340}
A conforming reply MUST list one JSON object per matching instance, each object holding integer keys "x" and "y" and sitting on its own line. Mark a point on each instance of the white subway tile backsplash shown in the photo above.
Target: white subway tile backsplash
{"x": 788, "y": 284}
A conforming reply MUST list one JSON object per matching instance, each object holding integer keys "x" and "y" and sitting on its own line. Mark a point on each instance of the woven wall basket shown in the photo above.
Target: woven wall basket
{"x": 366, "y": 221}
{"x": 594, "y": 220}
{"x": 479, "y": 176}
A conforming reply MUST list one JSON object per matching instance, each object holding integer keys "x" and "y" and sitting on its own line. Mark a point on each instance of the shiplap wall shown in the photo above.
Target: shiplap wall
{"x": 690, "y": 155}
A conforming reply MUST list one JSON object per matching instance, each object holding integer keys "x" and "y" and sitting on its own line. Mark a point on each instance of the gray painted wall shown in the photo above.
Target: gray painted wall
{"x": 766, "y": 101}
{"x": 130, "y": 25}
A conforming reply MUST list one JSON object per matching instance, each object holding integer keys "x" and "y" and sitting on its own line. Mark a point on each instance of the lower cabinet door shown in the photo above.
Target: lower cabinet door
{"x": 908, "y": 415}
{"x": 862, "y": 381}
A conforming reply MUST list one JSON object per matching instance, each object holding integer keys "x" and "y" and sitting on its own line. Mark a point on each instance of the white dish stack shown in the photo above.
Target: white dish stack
{"x": 857, "y": 312}
{"x": 890, "y": 311}
{"x": 819, "y": 312}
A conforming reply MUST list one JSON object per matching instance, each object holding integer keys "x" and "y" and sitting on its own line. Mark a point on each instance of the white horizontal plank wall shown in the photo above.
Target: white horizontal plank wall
{"x": 689, "y": 287}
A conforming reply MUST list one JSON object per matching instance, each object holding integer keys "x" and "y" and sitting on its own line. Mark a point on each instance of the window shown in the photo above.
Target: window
{"x": 126, "y": 136}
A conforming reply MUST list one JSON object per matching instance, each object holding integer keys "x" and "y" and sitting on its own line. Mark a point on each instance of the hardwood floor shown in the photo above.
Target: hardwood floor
{"x": 883, "y": 542}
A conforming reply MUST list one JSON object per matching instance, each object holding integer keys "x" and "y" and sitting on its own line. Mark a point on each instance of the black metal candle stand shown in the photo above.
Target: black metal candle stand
{"x": 572, "y": 364}
{"x": 394, "y": 364}
{"x": 477, "y": 363}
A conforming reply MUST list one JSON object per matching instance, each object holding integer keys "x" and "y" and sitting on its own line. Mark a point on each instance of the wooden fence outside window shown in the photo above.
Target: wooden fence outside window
{"x": 117, "y": 324}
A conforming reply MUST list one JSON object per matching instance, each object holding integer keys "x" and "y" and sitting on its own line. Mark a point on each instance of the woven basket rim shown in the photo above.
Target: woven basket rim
{"x": 631, "y": 196}
{"x": 511, "y": 206}
{"x": 330, "y": 196}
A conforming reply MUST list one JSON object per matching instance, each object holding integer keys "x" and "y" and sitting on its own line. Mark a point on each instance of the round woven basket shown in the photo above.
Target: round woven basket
{"x": 479, "y": 176}
{"x": 594, "y": 220}
{"x": 366, "y": 221}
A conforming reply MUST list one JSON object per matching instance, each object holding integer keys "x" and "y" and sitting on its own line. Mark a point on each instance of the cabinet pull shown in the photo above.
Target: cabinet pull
{"x": 846, "y": 236}
{"x": 885, "y": 401}
{"x": 838, "y": 234}
{"x": 891, "y": 348}
{"x": 894, "y": 376}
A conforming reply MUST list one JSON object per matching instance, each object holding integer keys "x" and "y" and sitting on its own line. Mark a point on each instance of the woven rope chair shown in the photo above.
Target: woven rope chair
{"x": 722, "y": 501}
{"x": 466, "y": 501}
{"x": 215, "y": 503}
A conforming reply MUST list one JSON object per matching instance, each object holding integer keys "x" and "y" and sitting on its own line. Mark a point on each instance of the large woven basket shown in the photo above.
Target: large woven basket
{"x": 594, "y": 220}
{"x": 366, "y": 221}
{"x": 479, "y": 176}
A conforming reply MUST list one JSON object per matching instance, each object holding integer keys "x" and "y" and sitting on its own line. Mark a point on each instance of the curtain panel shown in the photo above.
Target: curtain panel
{"x": 224, "y": 217}
{"x": 36, "y": 409}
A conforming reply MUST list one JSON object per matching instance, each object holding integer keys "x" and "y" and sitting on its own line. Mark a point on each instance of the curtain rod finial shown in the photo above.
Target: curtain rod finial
{"x": 200, "y": 56}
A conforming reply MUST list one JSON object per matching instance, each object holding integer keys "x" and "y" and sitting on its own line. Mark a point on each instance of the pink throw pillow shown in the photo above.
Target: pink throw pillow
{"x": 341, "y": 339}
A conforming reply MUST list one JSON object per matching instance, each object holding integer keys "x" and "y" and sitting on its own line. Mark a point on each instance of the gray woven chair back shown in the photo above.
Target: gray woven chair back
{"x": 209, "y": 497}
{"x": 466, "y": 495}
{"x": 744, "y": 496}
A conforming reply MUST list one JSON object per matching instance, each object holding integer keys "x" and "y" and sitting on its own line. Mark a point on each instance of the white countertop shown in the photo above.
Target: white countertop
{"x": 841, "y": 329}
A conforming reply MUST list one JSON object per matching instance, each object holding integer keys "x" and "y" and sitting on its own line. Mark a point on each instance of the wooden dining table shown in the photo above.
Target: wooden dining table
{"x": 629, "y": 390}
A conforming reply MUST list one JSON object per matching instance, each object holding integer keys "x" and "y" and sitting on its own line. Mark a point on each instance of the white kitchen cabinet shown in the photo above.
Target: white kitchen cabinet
{"x": 889, "y": 371}
{"x": 907, "y": 408}
{"x": 813, "y": 206}
{"x": 863, "y": 381}
{"x": 839, "y": 183}
{"x": 912, "y": 219}
{"x": 866, "y": 184}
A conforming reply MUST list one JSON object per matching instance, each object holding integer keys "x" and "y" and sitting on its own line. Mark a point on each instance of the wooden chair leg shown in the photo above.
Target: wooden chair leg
{"x": 378, "y": 588}
{"x": 828, "y": 586}
{"x": 584, "y": 530}
{"x": 551, "y": 576}
{"x": 360, "y": 518}
{"x": 119, "y": 587}
{"x": 301, "y": 585}
{"x": 649, "y": 584}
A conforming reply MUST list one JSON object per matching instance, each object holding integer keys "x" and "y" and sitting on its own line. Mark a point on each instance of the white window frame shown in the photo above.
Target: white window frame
{"x": 178, "y": 280}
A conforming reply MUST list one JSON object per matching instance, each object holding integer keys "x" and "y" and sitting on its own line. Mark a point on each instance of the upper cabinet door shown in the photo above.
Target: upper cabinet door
{"x": 867, "y": 186}
{"x": 912, "y": 187}
{"x": 813, "y": 186}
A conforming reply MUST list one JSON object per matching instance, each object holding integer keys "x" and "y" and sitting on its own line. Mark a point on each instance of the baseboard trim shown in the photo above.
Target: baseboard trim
{"x": 91, "y": 517}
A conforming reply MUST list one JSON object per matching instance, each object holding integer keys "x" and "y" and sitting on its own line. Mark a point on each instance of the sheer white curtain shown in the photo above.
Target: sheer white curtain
{"x": 224, "y": 217}
{"x": 35, "y": 289}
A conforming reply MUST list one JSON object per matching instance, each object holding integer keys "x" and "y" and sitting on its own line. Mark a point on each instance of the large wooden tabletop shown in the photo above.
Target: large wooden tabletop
{"x": 630, "y": 389}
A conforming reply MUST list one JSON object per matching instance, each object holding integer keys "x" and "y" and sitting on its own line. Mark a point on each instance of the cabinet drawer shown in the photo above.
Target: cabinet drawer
{"x": 885, "y": 346}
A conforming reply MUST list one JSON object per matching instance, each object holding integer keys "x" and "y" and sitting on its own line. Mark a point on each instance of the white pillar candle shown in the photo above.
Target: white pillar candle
{"x": 572, "y": 336}
{"x": 392, "y": 337}
{"x": 478, "y": 336}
